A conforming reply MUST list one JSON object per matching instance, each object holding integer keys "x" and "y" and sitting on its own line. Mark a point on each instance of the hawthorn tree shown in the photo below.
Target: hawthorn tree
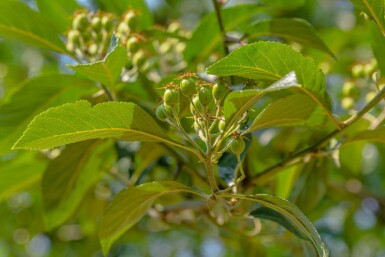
{"x": 192, "y": 128}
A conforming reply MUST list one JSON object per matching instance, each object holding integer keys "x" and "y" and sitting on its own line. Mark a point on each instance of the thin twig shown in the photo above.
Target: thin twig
{"x": 217, "y": 7}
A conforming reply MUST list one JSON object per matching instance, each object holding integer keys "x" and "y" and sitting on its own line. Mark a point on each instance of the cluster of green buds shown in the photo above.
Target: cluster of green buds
{"x": 90, "y": 34}
{"x": 364, "y": 85}
{"x": 206, "y": 102}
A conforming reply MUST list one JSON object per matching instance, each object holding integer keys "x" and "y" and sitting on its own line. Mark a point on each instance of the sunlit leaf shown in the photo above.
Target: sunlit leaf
{"x": 130, "y": 205}
{"x": 270, "y": 62}
{"x": 18, "y": 21}
{"x": 79, "y": 121}
{"x": 375, "y": 9}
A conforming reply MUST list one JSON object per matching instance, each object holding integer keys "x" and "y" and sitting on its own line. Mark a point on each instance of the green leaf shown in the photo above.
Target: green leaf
{"x": 291, "y": 29}
{"x": 376, "y": 135}
{"x": 292, "y": 215}
{"x": 130, "y": 205}
{"x": 68, "y": 178}
{"x": 292, "y": 110}
{"x": 378, "y": 43}
{"x": 270, "y": 214}
{"x": 207, "y": 36}
{"x": 269, "y": 62}
{"x": 58, "y": 11}
{"x": 311, "y": 185}
{"x": 375, "y": 9}
{"x": 109, "y": 69}
{"x": 33, "y": 97}
{"x": 284, "y": 4}
{"x": 19, "y": 173}
{"x": 18, "y": 21}
{"x": 121, "y": 6}
{"x": 79, "y": 121}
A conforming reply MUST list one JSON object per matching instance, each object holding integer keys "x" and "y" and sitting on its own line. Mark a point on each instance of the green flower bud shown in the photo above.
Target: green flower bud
{"x": 80, "y": 22}
{"x": 350, "y": 89}
{"x": 133, "y": 44}
{"x": 347, "y": 103}
{"x": 74, "y": 37}
{"x": 358, "y": 70}
{"x": 131, "y": 20}
{"x": 96, "y": 24}
{"x": 139, "y": 59}
{"x": 221, "y": 125}
{"x": 171, "y": 110}
{"x": 107, "y": 23}
{"x": 188, "y": 87}
{"x": 93, "y": 49}
{"x": 123, "y": 29}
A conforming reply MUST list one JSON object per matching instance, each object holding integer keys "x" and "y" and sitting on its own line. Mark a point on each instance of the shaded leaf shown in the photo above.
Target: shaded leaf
{"x": 207, "y": 36}
{"x": 74, "y": 122}
{"x": 291, "y": 29}
{"x": 34, "y": 96}
{"x": 292, "y": 215}
{"x": 19, "y": 173}
{"x": 292, "y": 110}
{"x": 58, "y": 11}
{"x": 109, "y": 69}
{"x": 269, "y": 62}
{"x": 375, "y": 9}
{"x": 68, "y": 178}
{"x": 378, "y": 43}
{"x": 18, "y": 21}
{"x": 130, "y": 205}
{"x": 270, "y": 214}
{"x": 376, "y": 135}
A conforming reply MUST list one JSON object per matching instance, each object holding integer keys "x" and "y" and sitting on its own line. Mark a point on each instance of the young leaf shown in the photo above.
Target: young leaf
{"x": 292, "y": 110}
{"x": 375, "y": 9}
{"x": 68, "y": 177}
{"x": 376, "y": 135}
{"x": 130, "y": 205}
{"x": 34, "y": 96}
{"x": 269, "y": 62}
{"x": 79, "y": 121}
{"x": 108, "y": 70}
{"x": 19, "y": 173}
{"x": 58, "y": 11}
{"x": 292, "y": 215}
{"x": 18, "y": 21}
{"x": 207, "y": 36}
{"x": 291, "y": 29}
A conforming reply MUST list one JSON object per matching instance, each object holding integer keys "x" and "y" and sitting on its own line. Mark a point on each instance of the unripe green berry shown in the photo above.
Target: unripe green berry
{"x": 350, "y": 89}
{"x": 80, "y": 22}
{"x": 161, "y": 113}
{"x": 96, "y": 24}
{"x": 171, "y": 97}
{"x": 196, "y": 105}
{"x": 187, "y": 87}
{"x": 133, "y": 44}
{"x": 221, "y": 125}
{"x": 205, "y": 96}
{"x": 238, "y": 146}
{"x": 219, "y": 91}
{"x": 139, "y": 59}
